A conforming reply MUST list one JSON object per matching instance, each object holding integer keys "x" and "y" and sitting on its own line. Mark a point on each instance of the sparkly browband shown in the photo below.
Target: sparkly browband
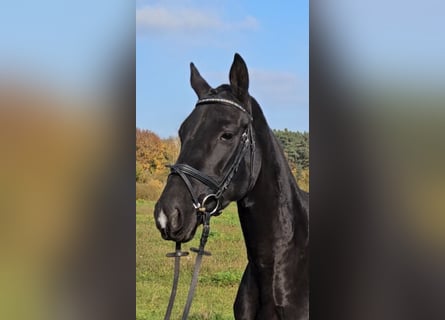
{"x": 223, "y": 101}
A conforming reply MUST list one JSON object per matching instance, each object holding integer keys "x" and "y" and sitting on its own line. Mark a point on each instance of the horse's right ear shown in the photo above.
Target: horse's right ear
{"x": 198, "y": 83}
{"x": 239, "y": 78}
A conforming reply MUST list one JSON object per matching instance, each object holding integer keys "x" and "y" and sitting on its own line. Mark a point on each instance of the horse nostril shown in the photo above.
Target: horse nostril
{"x": 172, "y": 219}
{"x": 175, "y": 218}
{"x": 169, "y": 221}
{"x": 164, "y": 233}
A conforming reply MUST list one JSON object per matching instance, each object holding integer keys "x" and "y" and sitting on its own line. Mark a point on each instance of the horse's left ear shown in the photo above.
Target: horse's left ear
{"x": 198, "y": 83}
{"x": 239, "y": 79}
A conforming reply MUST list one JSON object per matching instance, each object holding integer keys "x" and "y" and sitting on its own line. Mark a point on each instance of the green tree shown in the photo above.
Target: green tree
{"x": 295, "y": 146}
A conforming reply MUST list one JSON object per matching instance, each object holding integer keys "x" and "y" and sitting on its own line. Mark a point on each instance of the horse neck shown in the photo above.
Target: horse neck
{"x": 275, "y": 175}
{"x": 275, "y": 202}
{"x": 275, "y": 184}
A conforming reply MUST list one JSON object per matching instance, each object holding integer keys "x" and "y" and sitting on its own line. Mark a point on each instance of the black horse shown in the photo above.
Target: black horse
{"x": 229, "y": 153}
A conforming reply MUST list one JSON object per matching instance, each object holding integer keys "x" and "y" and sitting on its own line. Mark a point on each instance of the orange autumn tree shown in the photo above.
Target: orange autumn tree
{"x": 150, "y": 151}
{"x": 152, "y": 154}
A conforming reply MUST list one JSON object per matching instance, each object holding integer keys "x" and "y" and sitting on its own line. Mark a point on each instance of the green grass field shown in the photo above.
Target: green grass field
{"x": 219, "y": 277}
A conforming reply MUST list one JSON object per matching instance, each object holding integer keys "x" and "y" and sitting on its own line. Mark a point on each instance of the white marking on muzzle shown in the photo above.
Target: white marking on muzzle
{"x": 162, "y": 219}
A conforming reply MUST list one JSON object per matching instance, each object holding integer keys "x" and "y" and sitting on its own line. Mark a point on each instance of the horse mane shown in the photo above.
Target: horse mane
{"x": 267, "y": 138}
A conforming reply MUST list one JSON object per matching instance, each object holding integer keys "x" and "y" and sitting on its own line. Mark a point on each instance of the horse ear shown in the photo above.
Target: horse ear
{"x": 239, "y": 78}
{"x": 198, "y": 83}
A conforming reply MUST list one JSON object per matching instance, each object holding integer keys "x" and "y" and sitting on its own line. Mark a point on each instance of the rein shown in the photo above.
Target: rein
{"x": 177, "y": 255}
{"x": 185, "y": 171}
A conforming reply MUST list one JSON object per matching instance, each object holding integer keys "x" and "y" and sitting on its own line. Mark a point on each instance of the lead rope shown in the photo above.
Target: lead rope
{"x": 200, "y": 251}
{"x": 177, "y": 255}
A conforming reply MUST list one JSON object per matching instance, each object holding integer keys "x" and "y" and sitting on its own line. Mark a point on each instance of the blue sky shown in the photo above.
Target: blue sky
{"x": 273, "y": 40}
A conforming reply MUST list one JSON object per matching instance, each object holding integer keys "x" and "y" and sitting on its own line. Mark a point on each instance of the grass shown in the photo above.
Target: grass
{"x": 219, "y": 277}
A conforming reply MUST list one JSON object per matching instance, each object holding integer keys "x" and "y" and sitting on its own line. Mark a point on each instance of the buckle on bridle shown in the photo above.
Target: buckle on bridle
{"x": 202, "y": 206}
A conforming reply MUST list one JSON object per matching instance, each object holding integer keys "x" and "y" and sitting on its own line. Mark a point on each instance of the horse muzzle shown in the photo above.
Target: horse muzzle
{"x": 175, "y": 224}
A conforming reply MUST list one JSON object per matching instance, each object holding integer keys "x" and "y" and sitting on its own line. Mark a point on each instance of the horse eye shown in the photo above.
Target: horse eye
{"x": 227, "y": 136}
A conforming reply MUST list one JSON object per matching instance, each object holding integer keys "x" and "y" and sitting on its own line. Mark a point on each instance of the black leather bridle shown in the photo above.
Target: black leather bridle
{"x": 218, "y": 187}
{"x": 186, "y": 171}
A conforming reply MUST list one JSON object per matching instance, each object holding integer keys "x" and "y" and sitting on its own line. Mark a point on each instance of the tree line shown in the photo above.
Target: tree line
{"x": 153, "y": 153}
{"x": 296, "y": 149}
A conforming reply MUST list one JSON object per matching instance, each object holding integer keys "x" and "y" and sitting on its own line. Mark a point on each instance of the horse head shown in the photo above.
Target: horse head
{"x": 218, "y": 162}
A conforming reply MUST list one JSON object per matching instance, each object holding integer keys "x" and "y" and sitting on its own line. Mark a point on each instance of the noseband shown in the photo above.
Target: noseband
{"x": 218, "y": 187}
{"x": 185, "y": 171}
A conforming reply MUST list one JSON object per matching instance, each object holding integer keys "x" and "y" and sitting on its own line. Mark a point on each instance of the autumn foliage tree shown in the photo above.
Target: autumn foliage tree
{"x": 152, "y": 154}
{"x": 150, "y": 151}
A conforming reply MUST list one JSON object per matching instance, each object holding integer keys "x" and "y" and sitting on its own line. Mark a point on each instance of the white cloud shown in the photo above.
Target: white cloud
{"x": 156, "y": 18}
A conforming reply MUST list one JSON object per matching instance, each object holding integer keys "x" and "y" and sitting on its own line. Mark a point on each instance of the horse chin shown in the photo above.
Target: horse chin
{"x": 188, "y": 235}
{"x": 182, "y": 236}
